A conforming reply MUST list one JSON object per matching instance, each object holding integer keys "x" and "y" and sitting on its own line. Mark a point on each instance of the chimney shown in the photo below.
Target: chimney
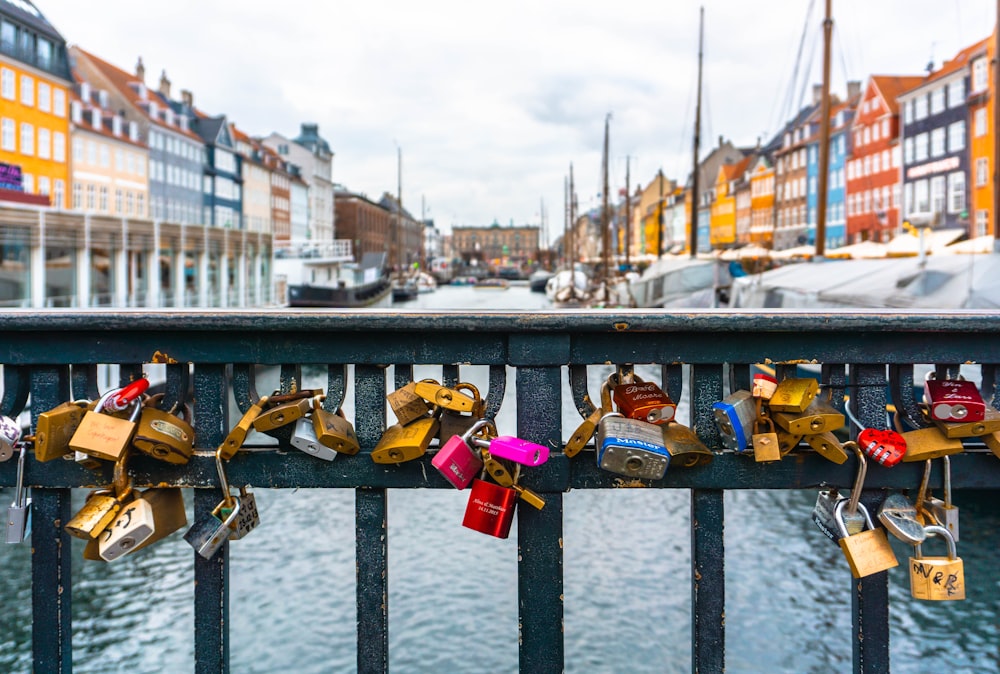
{"x": 817, "y": 94}
{"x": 164, "y": 85}
{"x": 140, "y": 70}
{"x": 853, "y": 89}
{"x": 721, "y": 140}
{"x": 187, "y": 98}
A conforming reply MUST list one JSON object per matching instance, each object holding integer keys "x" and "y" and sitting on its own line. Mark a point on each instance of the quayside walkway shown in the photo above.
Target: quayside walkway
{"x": 211, "y": 359}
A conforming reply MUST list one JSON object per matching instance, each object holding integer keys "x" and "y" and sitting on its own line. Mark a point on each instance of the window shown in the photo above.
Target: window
{"x": 908, "y": 150}
{"x": 876, "y": 167}
{"x": 44, "y": 97}
{"x": 956, "y": 93}
{"x": 103, "y": 204}
{"x": 78, "y": 149}
{"x": 7, "y": 135}
{"x": 59, "y": 147}
{"x": 982, "y": 222}
{"x": 937, "y": 101}
{"x": 27, "y": 90}
{"x": 118, "y": 201}
{"x": 982, "y": 171}
{"x": 90, "y": 197}
{"x": 920, "y": 147}
{"x": 129, "y": 203}
{"x": 92, "y": 153}
{"x": 43, "y": 185}
{"x": 885, "y": 160}
{"x": 105, "y": 156}
{"x": 922, "y": 196}
{"x": 937, "y": 194}
{"x": 867, "y": 135}
{"x": 908, "y": 194}
{"x": 979, "y": 123}
{"x": 956, "y": 136}
{"x": 130, "y": 162}
{"x": 980, "y": 75}
{"x": 7, "y": 83}
{"x": 27, "y": 138}
{"x": 140, "y": 204}
{"x": 58, "y": 193}
{"x": 920, "y": 107}
{"x": 956, "y": 192}
{"x": 59, "y": 103}
{"x": 875, "y": 131}
{"x": 44, "y": 144}
{"x": 77, "y": 195}
{"x": 119, "y": 160}
{"x": 885, "y": 128}
{"x": 908, "y": 112}
{"x": 28, "y": 181}
{"x": 937, "y": 142}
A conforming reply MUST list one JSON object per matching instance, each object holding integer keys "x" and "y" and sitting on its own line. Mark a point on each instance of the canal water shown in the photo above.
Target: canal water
{"x": 453, "y": 592}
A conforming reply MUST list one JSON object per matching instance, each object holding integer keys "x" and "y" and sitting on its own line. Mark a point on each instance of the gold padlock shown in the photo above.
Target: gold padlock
{"x": 499, "y": 472}
{"x": 55, "y": 428}
{"x": 992, "y": 441}
{"x": 450, "y": 398}
{"x": 238, "y": 435}
{"x": 102, "y": 505}
{"x": 765, "y": 443}
{"x": 404, "y": 443}
{"x": 282, "y": 415}
{"x": 164, "y": 436}
{"x": 819, "y": 417}
{"x": 929, "y": 443}
{"x": 793, "y": 395}
{"x": 867, "y": 552}
{"x": 685, "y": 447}
{"x": 406, "y": 404}
{"x": 104, "y": 436}
{"x": 990, "y": 423}
{"x": 827, "y": 446}
{"x": 334, "y": 430}
{"x": 937, "y": 578}
{"x": 788, "y": 441}
{"x": 583, "y": 433}
{"x": 152, "y": 516}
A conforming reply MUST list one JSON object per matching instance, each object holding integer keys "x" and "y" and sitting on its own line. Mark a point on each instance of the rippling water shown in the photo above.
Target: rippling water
{"x": 453, "y": 592}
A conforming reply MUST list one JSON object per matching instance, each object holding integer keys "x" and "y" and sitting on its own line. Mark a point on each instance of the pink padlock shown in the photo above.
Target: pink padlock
{"x": 457, "y": 460}
{"x": 515, "y": 449}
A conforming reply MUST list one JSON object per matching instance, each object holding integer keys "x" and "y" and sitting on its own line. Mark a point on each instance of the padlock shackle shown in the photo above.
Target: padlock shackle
{"x": 859, "y": 481}
{"x": 122, "y": 482}
{"x": 936, "y": 530}
{"x": 476, "y": 427}
{"x": 838, "y": 517}
{"x": 19, "y": 497}
{"x": 947, "y": 480}
{"x": 223, "y": 480}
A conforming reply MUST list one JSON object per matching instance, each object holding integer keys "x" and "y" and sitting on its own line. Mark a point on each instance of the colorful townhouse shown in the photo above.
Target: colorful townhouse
{"x": 761, "y": 201}
{"x": 708, "y": 175}
{"x": 744, "y": 204}
{"x": 874, "y": 185}
{"x": 256, "y": 181}
{"x": 312, "y": 154}
{"x": 934, "y": 134}
{"x": 651, "y": 214}
{"x": 723, "y": 208}
{"x": 35, "y": 82}
{"x": 981, "y": 141}
{"x": 790, "y": 168}
{"x": 841, "y": 116}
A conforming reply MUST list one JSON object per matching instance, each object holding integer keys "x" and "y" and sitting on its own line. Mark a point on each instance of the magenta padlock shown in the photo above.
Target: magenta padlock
{"x": 457, "y": 460}
{"x": 515, "y": 449}
{"x": 491, "y": 508}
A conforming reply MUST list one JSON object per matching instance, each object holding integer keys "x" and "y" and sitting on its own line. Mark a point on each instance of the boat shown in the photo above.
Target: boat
{"x": 426, "y": 283}
{"x": 325, "y": 275}
{"x": 404, "y": 288}
{"x": 492, "y": 284}
{"x": 568, "y": 289}
{"x": 539, "y": 279}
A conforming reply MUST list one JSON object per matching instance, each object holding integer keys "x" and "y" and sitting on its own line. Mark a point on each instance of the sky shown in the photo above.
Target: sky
{"x": 489, "y": 104}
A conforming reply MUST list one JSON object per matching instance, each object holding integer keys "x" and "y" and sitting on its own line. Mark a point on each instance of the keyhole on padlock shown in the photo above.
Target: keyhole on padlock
{"x": 633, "y": 463}
{"x": 727, "y": 429}
{"x": 816, "y": 424}
{"x": 160, "y": 451}
{"x": 395, "y": 455}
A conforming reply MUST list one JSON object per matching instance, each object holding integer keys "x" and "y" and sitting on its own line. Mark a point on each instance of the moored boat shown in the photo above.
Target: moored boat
{"x": 326, "y": 275}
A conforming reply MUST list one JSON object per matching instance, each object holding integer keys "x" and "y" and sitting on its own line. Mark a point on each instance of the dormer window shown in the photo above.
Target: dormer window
{"x": 182, "y": 121}
{"x": 85, "y": 91}
{"x": 116, "y": 125}
{"x": 168, "y": 116}
{"x": 95, "y": 118}
{"x": 102, "y": 97}
{"x": 154, "y": 110}
{"x": 133, "y": 131}
{"x": 76, "y": 112}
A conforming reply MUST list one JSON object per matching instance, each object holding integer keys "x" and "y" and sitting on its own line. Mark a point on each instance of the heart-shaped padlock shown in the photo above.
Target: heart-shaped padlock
{"x": 887, "y": 447}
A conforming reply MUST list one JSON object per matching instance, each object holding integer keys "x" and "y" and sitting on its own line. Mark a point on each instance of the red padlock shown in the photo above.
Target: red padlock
{"x": 645, "y": 401}
{"x": 954, "y": 400}
{"x": 886, "y": 447}
{"x": 491, "y": 508}
{"x": 457, "y": 460}
{"x": 123, "y": 398}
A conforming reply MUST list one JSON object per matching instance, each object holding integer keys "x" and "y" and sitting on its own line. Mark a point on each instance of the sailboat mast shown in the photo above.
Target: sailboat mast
{"x": 824, "y": 136}
{"x": 605, "y": 231}
{"x": 572, "y": 220}
{"x": 659, "y": 217}
{"x": 693, "y": 225}
{"x": 628, "y": 214}
{"x": 399, "y": 208}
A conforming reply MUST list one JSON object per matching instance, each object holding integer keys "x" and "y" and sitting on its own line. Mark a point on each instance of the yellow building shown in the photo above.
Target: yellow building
{"x": 722, "y": 226}
{"x": 762, "y": 202}
{"x": 981, "y": 150}
{"x": 652, "y": 201}
{"x": 34, "y": 85}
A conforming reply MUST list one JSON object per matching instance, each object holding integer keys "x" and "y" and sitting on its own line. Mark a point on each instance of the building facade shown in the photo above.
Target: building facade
{"x": 312, "y": 154}
{"x": 982, "y": 152}
{"x": 368, "y": 225}
{"x": 496, "y": 246}
{"x": 762, "y": 202}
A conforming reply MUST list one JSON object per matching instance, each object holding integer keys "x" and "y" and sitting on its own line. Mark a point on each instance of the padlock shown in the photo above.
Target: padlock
{"x": 642, "y": 400}
{"x": 764, "y": 386}
{"x": 819, "y": 417}
{"x": 793, "y": 395}
{"x": 684, "y": 446}
{"x": 827, "y": 446}
{"x": 867, "y": 552}
{"x": 631, "y": 447}
{"x": 238, "y": 435}
{"x": 787, "y": 441}
{"x": 899, "y": 517}
{"x": 945, "y": 512}
{"x": 55, "y": 427}
{"x": 122, "y": 399}
{"x": 450, "y": 398}
{"x": 103, "y": 436}
{"x": 490, "y": 509}
{"x": 497, "y": 470}
{"x": 210, "y": 533}
{"x": 822, "y": 515}
{"x": 990, "y": 423}
{"x": 953, "y": 400}
{"x": 514, "y": 449}
{"x": 164, "y": 436}
{"x": 992, "y": 442}
{"x": 735, "y": 415}
{"x": 929, "y": 443}
{"x": 19, "y": 512}
{"x": 405, "y": 443}
{"x": 937, "y": 578}
{"x": 334, "y": 430}
{"x": 583, "y": 433}
{"x": 457, "y": 460}
{"x": 249, "y": 516}
{"x": 10, "y": 434}
{"x": 304, "y": 439}
{"x": 103, "y": 505}
{"x": 282, "y": 415}
{"x": 152, "y": 516}
{"x": 886, "y": 447}
{"x": 454, "y": 423}
{"x": 406, "y": 404}
{"x": 765, "y": 442}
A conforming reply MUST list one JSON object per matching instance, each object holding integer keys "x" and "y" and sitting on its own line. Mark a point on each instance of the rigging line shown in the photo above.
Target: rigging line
{"x": 685, "y": 139}
{"x": 786, "y": 112}
{"x": 805, "y": 79}
{"x": 842, "y": 53}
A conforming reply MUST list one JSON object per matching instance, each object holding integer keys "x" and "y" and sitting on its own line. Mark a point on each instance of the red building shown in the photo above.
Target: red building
{"x": 873, "y": 171}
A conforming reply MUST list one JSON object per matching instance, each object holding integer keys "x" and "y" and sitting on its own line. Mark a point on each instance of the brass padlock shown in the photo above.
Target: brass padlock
{"x": 929, "y": 443}
{"x": 788, "y": 441}
{"x": 103, "y": 436}
{"x": 765, "y": 442}
{"x": 152, "y": 516}
{"x": 164, "y": 436}
{"x": 102, "y": 505}
{"x": 992, "y": 442}
{"x": 334, "y": 430}
{"x": 282, "y": 415}
{"x": 405, "y": 443}
{"x": 238, "y": 435}
{"x": 867, "y": 552}
{"x": 685, "y": 447}
{"x": 819, "y": 417}
{"x": 496, "y": 469}
{"x": 450, "y": 398}
{"x": 55, "y": 427}
{"x": 827, "y": 446}
{"x": 583, "y": 433}
{"x": 937, "y": 578}
{"x": 407, "y": 405}
{"x": 990, "y": 423}
{"x": 793, "y": 395}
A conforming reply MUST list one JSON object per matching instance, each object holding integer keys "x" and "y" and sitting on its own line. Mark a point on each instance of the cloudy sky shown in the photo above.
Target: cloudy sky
{"x": 491, "y": 102}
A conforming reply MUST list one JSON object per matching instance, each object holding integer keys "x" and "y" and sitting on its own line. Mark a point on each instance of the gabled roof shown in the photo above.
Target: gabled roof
{"x": 891, "y": 86}
{"x": 961, "y": 60}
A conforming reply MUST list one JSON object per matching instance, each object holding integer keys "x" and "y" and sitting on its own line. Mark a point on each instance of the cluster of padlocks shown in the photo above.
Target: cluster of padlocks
{"x": 634, "y": 431}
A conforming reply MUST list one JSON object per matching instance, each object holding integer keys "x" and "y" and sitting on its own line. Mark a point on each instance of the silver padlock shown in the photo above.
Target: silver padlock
{"x": 631, "y": 447}
{"x": 944, "y": 511}
{"x": 304, "y": 439}
{"x": 822, "y": 515}
{"x": 899, "y": 517}
{"x": 735, "y": 416}
{"x": 154, "y": 515}
{"x": 209, "y": 534}
{"x": 19, "y": 512}
{"x": 10, "y": 434}
{"x": 248, "y": 519}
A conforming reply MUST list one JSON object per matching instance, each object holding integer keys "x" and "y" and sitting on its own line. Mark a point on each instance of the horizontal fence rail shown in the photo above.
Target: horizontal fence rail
{"x": 211, "y": 359}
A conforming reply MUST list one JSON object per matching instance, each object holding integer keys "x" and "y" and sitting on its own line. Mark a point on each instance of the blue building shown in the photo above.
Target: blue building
{"x": 841, "y": 118}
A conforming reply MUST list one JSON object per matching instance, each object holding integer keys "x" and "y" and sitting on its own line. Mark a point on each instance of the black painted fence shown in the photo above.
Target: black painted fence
{"x": 54, "y": 356}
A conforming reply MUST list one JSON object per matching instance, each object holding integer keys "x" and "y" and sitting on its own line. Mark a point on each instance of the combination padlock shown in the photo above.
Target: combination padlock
{"x": 457, "y": 460}
{"x": 886, "y": 447}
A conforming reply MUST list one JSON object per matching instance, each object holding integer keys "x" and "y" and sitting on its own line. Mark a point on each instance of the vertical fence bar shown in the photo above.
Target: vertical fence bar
{"x": 539, "y": 532}
{"x": 372, "y": 535}
{"x": 708, "y": 573}
{"x": 51, "y": 562}
{"x": 211, "y": 576}
{"x": 870, "y": 595}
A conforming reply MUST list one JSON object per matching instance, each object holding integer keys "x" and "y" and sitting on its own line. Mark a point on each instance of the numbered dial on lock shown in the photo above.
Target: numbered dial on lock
{"x": 887, "y": 447}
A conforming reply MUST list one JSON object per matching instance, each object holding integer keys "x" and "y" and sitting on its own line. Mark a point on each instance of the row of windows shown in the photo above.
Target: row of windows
{"x": 96, "y": 198}
{"x": 50, "y": 145}
{"x": 762, "y": 187}
{"x": 29, "y": 45}
{"x": 928, "y": 196}
{"x": 873, "y": 164}
{"x": 876, "y": 201}
{"x": 173, "y": 175}
{"x": 934, "y": 103}
{"x": 926, "y": 145}
{"x": 174, "y": 211}
{"x": 173, "y": 145}
{"x": 99, "y": 154}
{"x": 870, "y": 134}
{"x": 56, "y": 188}
{"x": 49, "y": 99}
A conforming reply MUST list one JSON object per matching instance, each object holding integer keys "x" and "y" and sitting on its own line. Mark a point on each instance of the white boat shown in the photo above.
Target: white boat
{"x": 426, "y": 283}
{"x": 568, "y": 288}
{"x": 325, "y": 274}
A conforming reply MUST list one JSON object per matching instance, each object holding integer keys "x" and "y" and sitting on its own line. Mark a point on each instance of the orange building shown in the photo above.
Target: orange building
{"x": 762, "y": 202}
{"x": 981, "y": 140}
{"x": 34, "y": 84}
{"x": 722, "y": 227}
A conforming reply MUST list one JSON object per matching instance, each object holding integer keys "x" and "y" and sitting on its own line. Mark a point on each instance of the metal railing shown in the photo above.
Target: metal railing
{"x": 702, "y": 355}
